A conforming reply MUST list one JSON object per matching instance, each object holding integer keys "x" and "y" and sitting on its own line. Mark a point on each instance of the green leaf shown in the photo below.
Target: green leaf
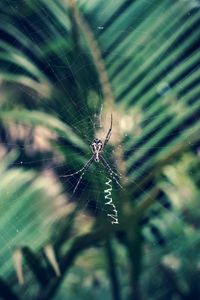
{"x": 36, "y": 118}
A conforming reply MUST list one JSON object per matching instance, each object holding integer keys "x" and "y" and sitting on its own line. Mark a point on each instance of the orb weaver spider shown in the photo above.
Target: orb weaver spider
{"x": 97, "y": 148}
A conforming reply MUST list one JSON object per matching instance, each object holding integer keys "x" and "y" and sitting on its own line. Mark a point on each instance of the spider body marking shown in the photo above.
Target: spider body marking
{"x": 97, "y": 147}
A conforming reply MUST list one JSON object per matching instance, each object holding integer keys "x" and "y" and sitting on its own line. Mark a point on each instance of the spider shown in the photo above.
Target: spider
{"x": 97, "y": 147}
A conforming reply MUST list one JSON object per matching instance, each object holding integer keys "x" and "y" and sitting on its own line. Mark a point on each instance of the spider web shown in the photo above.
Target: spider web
{"x": 90, "y": 124}
{"x": 8, "y": 244}
{"x": 91, "y": 190}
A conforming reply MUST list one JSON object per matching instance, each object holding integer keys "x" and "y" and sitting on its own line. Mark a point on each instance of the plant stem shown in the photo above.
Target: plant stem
{"x": 134, "y": 247}
{"x": 115, "y": 286}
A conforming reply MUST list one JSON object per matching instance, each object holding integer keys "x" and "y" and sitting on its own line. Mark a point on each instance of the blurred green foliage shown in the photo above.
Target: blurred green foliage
{"x": 61, "y": 63}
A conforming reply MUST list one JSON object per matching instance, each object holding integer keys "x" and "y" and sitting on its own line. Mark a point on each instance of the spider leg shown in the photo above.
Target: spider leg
{"x": 107, "y": 167}
{"x": 85, "y": 169}
{"x": 79, "y": 171}
{"x": 108, "y": 134}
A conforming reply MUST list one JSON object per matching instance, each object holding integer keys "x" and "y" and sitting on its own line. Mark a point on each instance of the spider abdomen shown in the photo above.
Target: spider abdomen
{"x": 97, "y": 147}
